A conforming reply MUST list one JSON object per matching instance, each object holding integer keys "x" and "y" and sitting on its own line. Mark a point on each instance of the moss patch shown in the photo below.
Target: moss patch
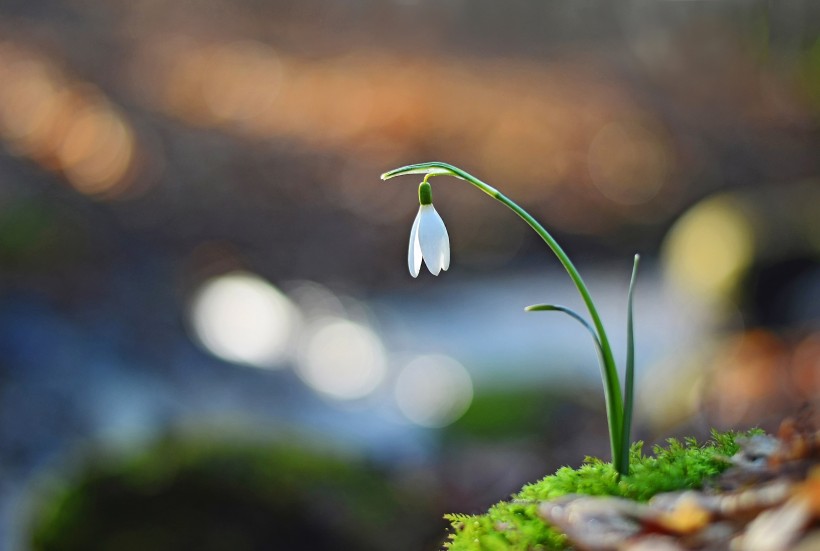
{"x": 515, "y": 526}
{"x": 213, "y": 494}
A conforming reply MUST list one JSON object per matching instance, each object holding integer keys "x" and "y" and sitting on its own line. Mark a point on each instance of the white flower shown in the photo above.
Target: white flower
{"x": 428, "y": 240}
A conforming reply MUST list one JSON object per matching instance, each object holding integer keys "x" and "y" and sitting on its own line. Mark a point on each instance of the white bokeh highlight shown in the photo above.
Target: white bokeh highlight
{"x": 342, "y": 359}
{"x": 433, "y": 391}
{"x": 242, "y": 318}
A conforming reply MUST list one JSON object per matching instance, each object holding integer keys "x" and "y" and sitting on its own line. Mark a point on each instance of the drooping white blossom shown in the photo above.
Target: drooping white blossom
{"x": 428, "y": 241}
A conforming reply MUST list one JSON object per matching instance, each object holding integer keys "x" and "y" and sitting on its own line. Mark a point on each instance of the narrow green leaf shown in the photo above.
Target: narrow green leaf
{"x": 629, "y": 380}
{"x": 433, "y": 168}
{"x": 571, "y": 313}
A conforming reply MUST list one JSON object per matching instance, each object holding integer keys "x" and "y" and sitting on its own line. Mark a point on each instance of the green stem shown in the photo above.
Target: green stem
{"x": 629, "y": 377}
{"x": 609, "y": 371}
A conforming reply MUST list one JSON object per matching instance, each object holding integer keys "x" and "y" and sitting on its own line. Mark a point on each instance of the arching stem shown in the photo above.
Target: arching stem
{"x": 609, "y": 371}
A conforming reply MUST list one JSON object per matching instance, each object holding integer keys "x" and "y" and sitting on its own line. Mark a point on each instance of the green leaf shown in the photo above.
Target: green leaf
{"x": 433, "y": 168}
{"x": 629, "y": 379}
{"x": 568, "y": 311}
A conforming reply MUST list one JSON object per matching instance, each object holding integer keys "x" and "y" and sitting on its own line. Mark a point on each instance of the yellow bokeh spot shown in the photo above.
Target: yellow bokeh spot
{"x": 97, "y": 150}
{"x": 709, "y": 247}
{"x": 64, "y": 124}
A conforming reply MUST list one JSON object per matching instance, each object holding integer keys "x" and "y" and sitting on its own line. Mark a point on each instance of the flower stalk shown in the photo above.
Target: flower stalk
{"x": 617, "y": 417}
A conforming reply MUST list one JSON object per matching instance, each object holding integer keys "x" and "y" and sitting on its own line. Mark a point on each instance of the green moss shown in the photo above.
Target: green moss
{"x": 515, "y": 526}
{"x": 213, "y": 493}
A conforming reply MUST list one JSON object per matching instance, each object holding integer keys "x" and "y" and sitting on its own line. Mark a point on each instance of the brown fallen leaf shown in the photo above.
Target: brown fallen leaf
{"x": 593, "y": 523}
{"x": 776, "y": 529}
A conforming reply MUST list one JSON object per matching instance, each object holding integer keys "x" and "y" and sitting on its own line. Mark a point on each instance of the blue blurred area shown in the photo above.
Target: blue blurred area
{"x": 194, "y": 239}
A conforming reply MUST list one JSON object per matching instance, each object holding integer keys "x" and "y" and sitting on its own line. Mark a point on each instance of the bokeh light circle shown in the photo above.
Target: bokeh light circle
{"x": 709, "y": 247}
{"x": 242, "y": 318}
{"x": 343, "y": 360}
{"x": 433, "y": 391}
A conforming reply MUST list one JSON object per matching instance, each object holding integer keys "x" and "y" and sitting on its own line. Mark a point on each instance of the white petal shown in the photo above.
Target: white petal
{"x": 445, "y": 250}
{"x": 433, "y": 239}
{"x": 414, "y": 252}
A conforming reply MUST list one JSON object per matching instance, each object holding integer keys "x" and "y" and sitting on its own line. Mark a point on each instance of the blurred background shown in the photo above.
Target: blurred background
{"x": 208, "y": 335}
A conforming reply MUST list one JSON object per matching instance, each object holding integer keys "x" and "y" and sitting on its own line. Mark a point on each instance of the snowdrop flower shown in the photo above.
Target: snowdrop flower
{"x": 428, "y": 238}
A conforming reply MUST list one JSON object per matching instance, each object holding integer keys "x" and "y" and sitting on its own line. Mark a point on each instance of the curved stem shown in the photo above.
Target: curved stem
{"x": 609, "y": 372}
